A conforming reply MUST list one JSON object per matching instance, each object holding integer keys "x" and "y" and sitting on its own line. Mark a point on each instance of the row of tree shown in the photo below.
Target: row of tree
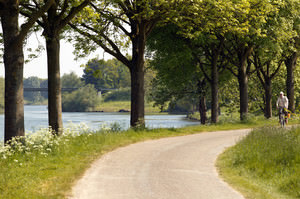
{"x": 122, "y": 27}
{"x": 106, "y": 19}
{"x": 256, "y": 37}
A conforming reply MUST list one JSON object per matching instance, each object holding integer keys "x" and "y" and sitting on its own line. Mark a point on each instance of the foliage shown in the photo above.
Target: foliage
{"x": 121, "y": 28}
{"x": 112, "y": 25}
{"x": 71, "y": 80}
{"x": 182, "y": 105}
{"x": 172, "y": 58}
{"x": 270, "y": 156}
{"x": 229, "y": 96}
{"x": 106, "y": 74}
{"x": 118, "y": 95}
{"x": 83, "y": 99}
{"x": 269, "y": 28}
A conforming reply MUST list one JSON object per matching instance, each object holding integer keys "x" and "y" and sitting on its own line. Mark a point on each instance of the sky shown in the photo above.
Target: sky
{"x": 38, "y": 66}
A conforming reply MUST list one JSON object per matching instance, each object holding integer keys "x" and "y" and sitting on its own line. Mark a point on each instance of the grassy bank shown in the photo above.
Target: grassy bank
{"x": 44, "y": 166}
{"x": 265, "y": 164}
{"x": 115, "y": 106}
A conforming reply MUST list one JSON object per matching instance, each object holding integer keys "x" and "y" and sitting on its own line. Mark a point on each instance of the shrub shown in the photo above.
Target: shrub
{"x": 181, "y": 106}
{"x": 118, "y": 95}
{"x": 83, "y": 99}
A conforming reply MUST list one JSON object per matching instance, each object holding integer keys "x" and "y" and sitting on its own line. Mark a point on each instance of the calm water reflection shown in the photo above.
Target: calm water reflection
{"x": 36, "y": 117}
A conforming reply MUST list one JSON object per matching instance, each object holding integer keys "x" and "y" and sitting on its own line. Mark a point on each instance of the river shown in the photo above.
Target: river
{"x": 36, "y": 117}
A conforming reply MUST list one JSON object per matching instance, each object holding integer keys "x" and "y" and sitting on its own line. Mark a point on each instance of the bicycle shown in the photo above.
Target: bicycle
{"x": 282, "y": 117}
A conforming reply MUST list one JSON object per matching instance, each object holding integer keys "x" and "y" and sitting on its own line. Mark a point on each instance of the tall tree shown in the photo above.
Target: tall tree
{"x": 54, "y": 24}
{"x": 214, "y": 20}
{"x": 266, "y": 69}
{"x": 13, "y": 38}
{"x": 292, "y": 13}
{"x": 124, "y": 23}
{"x": 240, "y": 45}
{"x": 210, "y": 63}
{"x": 291, "y": 63}
{"x": 275, "y": 40}
{"x": 178, "y": 73}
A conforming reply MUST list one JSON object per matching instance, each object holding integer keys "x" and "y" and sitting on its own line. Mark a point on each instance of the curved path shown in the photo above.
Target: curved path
{"x": 169, "y": 168}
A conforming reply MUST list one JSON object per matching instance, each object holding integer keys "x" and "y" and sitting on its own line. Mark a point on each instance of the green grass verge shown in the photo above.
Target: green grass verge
{"x": 49, "y": 168}
{"x": 265, "y": 164}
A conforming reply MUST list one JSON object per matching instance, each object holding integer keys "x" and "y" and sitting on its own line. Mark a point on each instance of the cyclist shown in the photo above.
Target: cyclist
{"x": 282, "y": 105}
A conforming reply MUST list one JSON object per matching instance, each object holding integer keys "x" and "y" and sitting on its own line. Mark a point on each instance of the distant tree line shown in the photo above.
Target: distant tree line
{"x": 98, "y": 74}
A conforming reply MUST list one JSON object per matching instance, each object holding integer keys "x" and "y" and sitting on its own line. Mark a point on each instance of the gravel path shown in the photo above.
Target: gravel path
{"x": 169, "y": 168}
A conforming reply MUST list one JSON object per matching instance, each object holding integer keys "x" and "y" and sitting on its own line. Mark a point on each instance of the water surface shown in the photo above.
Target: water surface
{"x": 36, "y": 117}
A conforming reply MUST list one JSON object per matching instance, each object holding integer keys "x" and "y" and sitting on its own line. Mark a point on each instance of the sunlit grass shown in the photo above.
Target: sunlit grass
{"x": 265, "y": 164}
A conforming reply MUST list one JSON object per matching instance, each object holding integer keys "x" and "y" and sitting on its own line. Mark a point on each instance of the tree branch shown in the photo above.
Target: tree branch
{"x": 113, "y": 18}
{"x": 277, "y": 69}
{"x": 63, "y": 10}
{"x": 116, "y": 54}
{"x": 72, "y": 13}
{"x": 204, "y": 72}
{"x": 33, "y": 18}
{"x": 232, "y": 71}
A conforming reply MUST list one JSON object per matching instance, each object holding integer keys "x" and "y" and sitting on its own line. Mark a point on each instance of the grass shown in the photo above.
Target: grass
{"x": 265, "y": 164}
{"x": 48, "y": 166}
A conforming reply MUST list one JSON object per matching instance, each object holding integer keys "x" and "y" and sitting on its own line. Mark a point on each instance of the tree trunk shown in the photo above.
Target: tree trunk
{"x": 214, "y": 91}
{"x": 268, "y": 95}
{"x": 243, "y": 56}
{"x": 243, "y": 86}
{"x": 290, "y": 64}
{"x": 137, "y": 79}
{"x": 13, "y": 62}
{"x": 137, "y": 97}
{"x": 54, "y": 84}
{"x": 202, "y": 109}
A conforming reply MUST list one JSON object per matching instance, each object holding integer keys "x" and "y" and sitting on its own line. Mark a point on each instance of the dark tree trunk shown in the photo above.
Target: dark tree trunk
{"x": 243, "y": 72}
{"x": 202, "y": 109}
{"x": 54, "y": 84}
{"x": 268, "y": 96}
{"x": 243, "y": 86}
{"x": 137, "y": 97}
{"x": 137, "y": 78}
{"x": 13, "y": 62}
{"x": 290, "y": 64}
{"x": 214, "y": 91}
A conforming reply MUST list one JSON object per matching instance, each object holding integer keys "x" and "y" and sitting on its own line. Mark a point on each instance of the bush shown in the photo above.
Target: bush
{"x": 83, "y": 99}
{"x": 181, "y": 106}
{"x": 118, "y": 95}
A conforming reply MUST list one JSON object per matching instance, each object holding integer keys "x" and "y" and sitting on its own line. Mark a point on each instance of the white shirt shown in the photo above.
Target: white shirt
{"x": 282, "y": 102}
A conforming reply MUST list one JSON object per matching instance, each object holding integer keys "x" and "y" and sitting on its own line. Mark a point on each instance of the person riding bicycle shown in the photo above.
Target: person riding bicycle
{"x": 282, "y": 105}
